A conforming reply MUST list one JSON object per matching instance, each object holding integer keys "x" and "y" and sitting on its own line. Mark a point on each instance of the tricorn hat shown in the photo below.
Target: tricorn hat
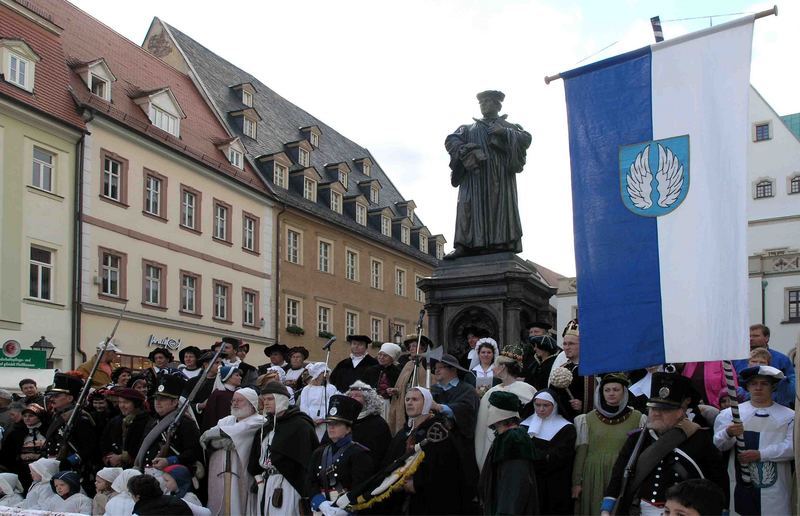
{"x": 282, "y": 349}
{"x": 189, "y": 349}
{"x": 343, "y": 409}
{"x": 233, "y": 341}
{"x": 299, "y": 349}
{"x": 491, "y": 94}
{"x": 163, "y": 351}
{"x": 544, "y": 342}
{"x": 425, "y": 341}
{"x": 772, "y": 374}
{"x": 170, "y": 385}
{"x": 670, "y": 390}
{"x": 67, "y": 384}
{"x": 359, "y": 338}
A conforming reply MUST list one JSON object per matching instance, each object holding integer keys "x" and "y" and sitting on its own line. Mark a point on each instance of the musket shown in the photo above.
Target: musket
{"x": 64, "y": 451}
{"x": 626, "y": 475}
{"x": 416, "y": 358}
{"x": 178, "y": 414}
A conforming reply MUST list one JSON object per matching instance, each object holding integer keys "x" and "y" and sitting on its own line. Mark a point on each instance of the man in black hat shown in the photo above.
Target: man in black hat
{"x": 249, "y": 372}
{"x": 484, "y": 159}
{"x": 208, "y": 385}
{"x": 277, "y": 357}
{"x": 281, "y": 451}
{"x": 81, "y": 450}
{"x": 160, "y": 359}
{"x": 190, "y": 366}
{"x": 354, "y": 368}
{"x": 184, "y": 447}
{"x": 297, "y": 366}
{"x": 341, "y": 465}
{"x": 670, "y": 450}
{"x": 459, "y": 402}
{"x": 546, "y": 351}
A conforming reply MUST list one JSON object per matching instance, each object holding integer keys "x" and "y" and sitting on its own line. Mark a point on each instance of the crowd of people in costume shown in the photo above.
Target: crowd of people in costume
{"x": 504, "y": 428}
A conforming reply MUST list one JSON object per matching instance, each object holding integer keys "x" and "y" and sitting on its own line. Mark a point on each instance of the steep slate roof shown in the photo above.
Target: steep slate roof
{"x": 86, "y": 39}
{"x": 280, "y": 124}
{"x": 50, "y": 88}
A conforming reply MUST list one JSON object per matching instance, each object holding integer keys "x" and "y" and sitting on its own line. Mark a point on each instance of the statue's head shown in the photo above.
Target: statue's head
{"x": 491, "y": 101}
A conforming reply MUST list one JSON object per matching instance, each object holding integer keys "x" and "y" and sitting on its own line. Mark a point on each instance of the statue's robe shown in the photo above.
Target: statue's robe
{"x": 487, "y": 216}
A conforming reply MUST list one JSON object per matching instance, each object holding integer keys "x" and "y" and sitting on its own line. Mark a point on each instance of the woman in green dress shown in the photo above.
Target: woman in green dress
{"x": 601, "y": 434}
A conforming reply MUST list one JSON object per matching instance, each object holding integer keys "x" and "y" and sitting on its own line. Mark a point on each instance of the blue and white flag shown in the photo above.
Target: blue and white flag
{"x": 658, "y": 143}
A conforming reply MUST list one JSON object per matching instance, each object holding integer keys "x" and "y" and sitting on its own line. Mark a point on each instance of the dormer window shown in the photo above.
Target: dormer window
{"x": 423, "y": 243}
{"x": 310, "y": 189}
{"x": 386, "y": 225}
{"x": 405, "y": 234}
{"x": 280, "y": 174}
{"x": 303, "y": 157}
{"x": 361, "y": 214}
{"x": 367, "y": 169}
{"x": 249, "y": 127}
{"x": 164, "y": 120}
{"x": 343, "y": 178}
{"x": 247, "y": 98}
{"x": 99, "y": 86}
{"x": 374, "y": 194}
{"x": 336, "y": 202}
{"x": 235, "y": 157}
{"x": 314, "y": 139}
{"x": 18, "y": 71}
{"x": 97, "y": 76}
{"x": 439, "y": 250}
{"x": 411, "y": 213}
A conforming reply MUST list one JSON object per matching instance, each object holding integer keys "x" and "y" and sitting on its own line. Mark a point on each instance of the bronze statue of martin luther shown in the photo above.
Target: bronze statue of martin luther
{"x": 484, "y": 158}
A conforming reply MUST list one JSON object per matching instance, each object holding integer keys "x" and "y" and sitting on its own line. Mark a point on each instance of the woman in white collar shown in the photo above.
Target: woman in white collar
{"x": 487, "y": 353}
{"x": 554, "y": 439}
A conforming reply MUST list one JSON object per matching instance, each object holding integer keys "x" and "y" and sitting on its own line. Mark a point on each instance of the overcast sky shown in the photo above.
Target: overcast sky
{"x": 397, "y": 77}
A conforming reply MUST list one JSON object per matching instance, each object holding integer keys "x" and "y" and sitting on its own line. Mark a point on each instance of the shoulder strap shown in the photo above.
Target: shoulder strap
{"x": 653, "y": 454}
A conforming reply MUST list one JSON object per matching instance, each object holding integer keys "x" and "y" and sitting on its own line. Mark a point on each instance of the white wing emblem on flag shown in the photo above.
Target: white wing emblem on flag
{"x": 640, "y": 180}
{"x": 670, "y": 177}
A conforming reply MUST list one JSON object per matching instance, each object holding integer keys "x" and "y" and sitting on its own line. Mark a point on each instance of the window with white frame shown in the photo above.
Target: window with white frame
{"x": 292, "y": 246}
{"x": 405, "y": 234}
{"x": 221, "y": 295}
{"x": 314, "y": 139}
{"x": 374, "y": 195}
{"x": 303, "y": 157}
{"x": 249, "y": 301}
{"x": 249, "y": 226}
{"x": 793, "y": 304}
{"x": 310, "y": 189}
{"x": 293, "y": 311}
{"x": 43, "y": 165}
{"x": 399, "y": 329}
{"x": 188, "y": 293}
{"x": 361, "y": 214}
{"x": 336, "y": 201}
{"x": 411, "y": 213}
{"x": 41, "y": 274}
{"x": 423, "y": 243}
{"x": 367, "y": 168}
{"x": 220, "y": 222}
{"x": 323, "y": 319}
{"x": 325, "y": 256}
{"x": 350, "y": 323}
{"x": 111, "y": 275}
{"x": 351, "y": 265}
{"x": 152, "y": 195}
{"x": 439, "y": 250}
{"x": 163, "y": 120}
{"x": 386, "y": 225}
{"x": 764, "y": 189}
{"x": 188, "y": 209}
{"x": 152, "y": 284}
{"x": 400, "y": 282}
{"x": 419, "y": 295}
{"x": 18, "y": 71}
{"x": 250, "y": 127}
{"x": 112, "y": 170}
{"x": 376, "y": 274}
{"x": 279, "y": 174}
{"x": 794, "y": 185}
{"x": 376, "y": 329}
{"x": 99, "y": 86}
{"x": 247, "y": 98}
{"x": 235, "y": 158}
{"x": 344, "y": 178}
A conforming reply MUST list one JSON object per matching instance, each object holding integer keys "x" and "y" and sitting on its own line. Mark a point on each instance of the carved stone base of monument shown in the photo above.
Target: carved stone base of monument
{"x": 500, "y": 293}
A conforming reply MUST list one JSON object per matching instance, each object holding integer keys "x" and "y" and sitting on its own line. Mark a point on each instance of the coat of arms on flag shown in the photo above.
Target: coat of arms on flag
{"x": 654, "y": 175}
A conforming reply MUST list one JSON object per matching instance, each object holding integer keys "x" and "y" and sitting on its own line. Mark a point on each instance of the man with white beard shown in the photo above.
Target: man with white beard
{"x": 228, "y": 444}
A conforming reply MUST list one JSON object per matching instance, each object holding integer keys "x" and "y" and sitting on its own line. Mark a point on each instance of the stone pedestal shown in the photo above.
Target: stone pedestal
{"x": 500, "y": 293}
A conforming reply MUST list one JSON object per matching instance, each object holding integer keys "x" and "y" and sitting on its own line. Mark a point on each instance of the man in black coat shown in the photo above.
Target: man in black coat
{"x": 198, "y": 402}
{"x": 354, "y": 368}
{"x": 672, "y": 449}
{"x": 282, "y": 451}
{"x": 151, "y": 501}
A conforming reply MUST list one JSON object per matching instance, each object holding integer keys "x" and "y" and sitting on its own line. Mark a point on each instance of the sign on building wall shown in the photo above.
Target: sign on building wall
{"x": 164, "y": 342}
{"x": 14, "y": 356}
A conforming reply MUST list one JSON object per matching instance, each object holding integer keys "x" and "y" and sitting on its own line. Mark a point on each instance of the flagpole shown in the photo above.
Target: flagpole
{"x": 762, "y": 14}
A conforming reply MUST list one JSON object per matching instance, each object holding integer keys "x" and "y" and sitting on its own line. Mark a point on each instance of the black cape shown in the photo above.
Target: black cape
{"x": 344, "y": 374}
{"x": 508, "y": 478}
{"x": 553, "y": 465}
